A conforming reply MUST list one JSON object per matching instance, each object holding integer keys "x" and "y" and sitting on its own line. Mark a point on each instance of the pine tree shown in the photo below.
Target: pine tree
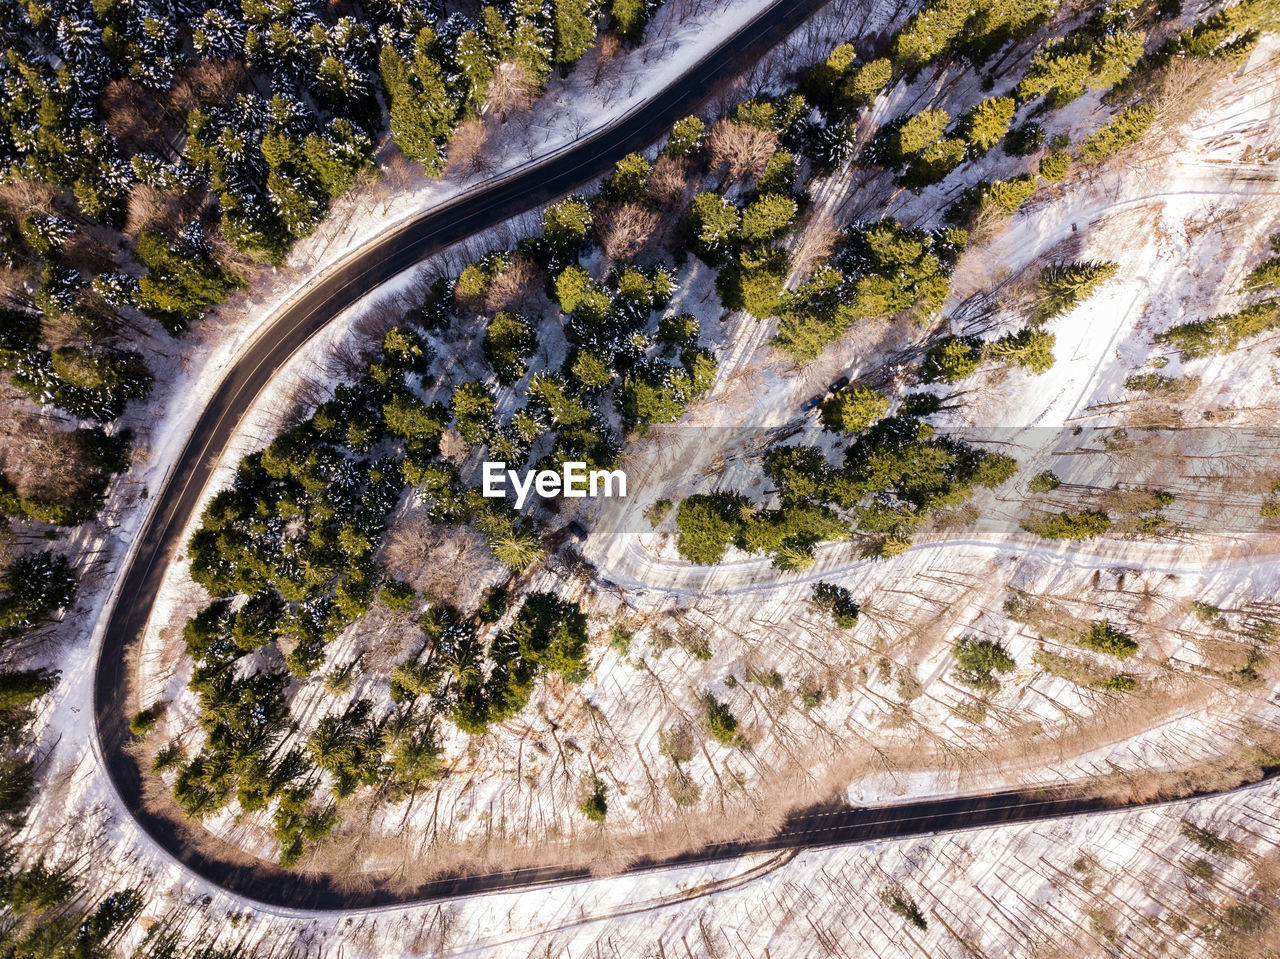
{"x": 917, "y": 132}
{"x": 574, "y": 29}
{"x": 715, "y": 222}
{"x": 952, "y": 359}
{"x": 1029, "y": 348}
{"x": 475, "y": 70}
{"x": 629, "y": 179}
{"x": 18, "y": 689}
{"x": 508, "y": 342}
{"x": 866, "y": 81}
{"x": 767, "y": 218}
{"x": 565, "y": 226}
{"x": 335, "y": 160}
{"x": 629, "y": 18}
{"x": 986, "y": 124}
{"x": 686, "y": 137}
{"x": 854, "y": 410}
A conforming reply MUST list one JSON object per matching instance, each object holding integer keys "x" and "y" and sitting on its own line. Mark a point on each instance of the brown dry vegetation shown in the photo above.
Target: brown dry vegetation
{"x": 624, "y": 230}
{"x": 518, "y": 287}
{"x": 450, "y": 564}
{"x": 38, "y": 457}
{"x": 513, "y": 89}
{"x": 736, "y": 151}
{"x": 670, "y": 181}
{"x": 466, "y": 147}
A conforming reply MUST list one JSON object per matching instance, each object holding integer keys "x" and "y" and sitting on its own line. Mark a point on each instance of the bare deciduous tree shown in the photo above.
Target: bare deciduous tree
{"x": 606, "y": 52}
{"x": 669, "y": 181}
{"x": 466, "y": 149}
{"x": 624, "y": 229}
{"x": 512, "y": 89}
{"x": 737, "y": 151}
{"x": 515, "y": 287}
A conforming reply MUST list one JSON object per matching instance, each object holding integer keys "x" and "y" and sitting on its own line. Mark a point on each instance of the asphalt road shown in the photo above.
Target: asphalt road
{"x": 173, "y": 505}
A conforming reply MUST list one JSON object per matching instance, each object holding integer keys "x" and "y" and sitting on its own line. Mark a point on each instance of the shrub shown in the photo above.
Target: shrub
{"x": 1104, "y": 638}
{"x": 620, "y": 639}
{"x": 1083, "y": 525}
{"x": 1083, "y": 673}
{"x": 1044, "y": 482}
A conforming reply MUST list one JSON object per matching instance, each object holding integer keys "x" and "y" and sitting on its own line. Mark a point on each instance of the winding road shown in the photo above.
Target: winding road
{"x": 173, "y": 505}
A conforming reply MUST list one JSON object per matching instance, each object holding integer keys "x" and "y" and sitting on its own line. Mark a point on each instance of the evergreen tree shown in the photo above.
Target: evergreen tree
{"x": 20, "y": 688}
{"x": 574, "y": 29}
{"x": 565, "y": 227}
{"x": 628, "y": 181}
{"x": 854, "y": 410}
{"x": 986, "y": 124}
{"x": 916, "y": 133}
{"x": 182, "y": 280}
{"x": 714, "y": 222}
{"x": 686, "y": 137}
{"x": 1121, "y": 132}
{"x": 1065, "y": 285}
{"x": 977, "y": 662}
{"x": 475, "y": 70}
{"x": 629, "y": 18}
{"x": 952, "y": 359}
{"x": 867, "y": 80}
{"x": 767, "y": 218}
{"x": 508, "y": 342}
{"x": 1029, "y": 348}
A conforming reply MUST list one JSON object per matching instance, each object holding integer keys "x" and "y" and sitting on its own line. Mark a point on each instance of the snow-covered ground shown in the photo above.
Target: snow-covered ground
{"x": 1182, "y": 270}
{"x": 1184, "y": 227}
{"x": 1081, "y": 886}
